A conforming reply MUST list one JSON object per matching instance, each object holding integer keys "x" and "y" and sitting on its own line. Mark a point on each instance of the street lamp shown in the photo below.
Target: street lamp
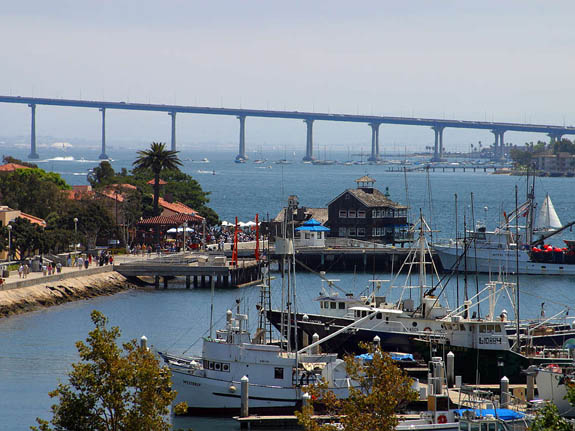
{"x": 75, "y": 233}
{"x": 185, "y": 229}
{"x": 9, "y": 227}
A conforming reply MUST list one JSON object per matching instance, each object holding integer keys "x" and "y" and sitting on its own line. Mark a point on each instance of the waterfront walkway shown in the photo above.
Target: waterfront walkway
{"x": 15, "y": 282}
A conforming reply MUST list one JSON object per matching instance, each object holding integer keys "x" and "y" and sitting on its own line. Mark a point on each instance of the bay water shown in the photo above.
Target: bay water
{"x": 37, "y": 349}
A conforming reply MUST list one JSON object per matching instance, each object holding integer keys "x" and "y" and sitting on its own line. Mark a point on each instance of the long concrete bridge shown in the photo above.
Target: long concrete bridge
{"x": 373, "y": 121}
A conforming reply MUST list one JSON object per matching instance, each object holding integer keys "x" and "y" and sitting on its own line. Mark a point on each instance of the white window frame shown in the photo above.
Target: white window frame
{"x": 342, "y": 213}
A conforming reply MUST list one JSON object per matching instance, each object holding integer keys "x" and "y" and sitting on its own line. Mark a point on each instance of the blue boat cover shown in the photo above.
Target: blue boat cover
{"x": 395, "y": 356}
{"x": 503, "y": 414}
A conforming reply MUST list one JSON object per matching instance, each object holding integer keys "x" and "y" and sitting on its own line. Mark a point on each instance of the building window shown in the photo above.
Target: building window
{"x": 319, "y": 235}
{"x": 297, "y": 234}
{"x": 342, "y": 214}
{"x": 360, "y": 231}
{"x": 307, "y": 235}
{"x": 373, "y": 213}
{"x": 351, "y": 231}
{"x": 278, "y": 373}
{"x": 341, "y": 305}
{"x": 361, "y": 214}
{"x": 332, "y": 305}
{"x": 341, "y": 231}
{"x": 351, "y": 214}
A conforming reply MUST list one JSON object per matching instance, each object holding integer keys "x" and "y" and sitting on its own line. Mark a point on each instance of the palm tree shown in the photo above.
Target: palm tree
{"x": 158, "y": 159}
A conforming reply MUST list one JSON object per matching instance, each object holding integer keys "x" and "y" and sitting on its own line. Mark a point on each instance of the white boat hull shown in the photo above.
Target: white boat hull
{"x": 552, "y": 387}
{"x": 494, "y": 261}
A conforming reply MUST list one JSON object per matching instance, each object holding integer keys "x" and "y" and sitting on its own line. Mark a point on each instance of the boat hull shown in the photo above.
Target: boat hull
{"x": 499, "y": 260}
{"x": 552, "y": 386}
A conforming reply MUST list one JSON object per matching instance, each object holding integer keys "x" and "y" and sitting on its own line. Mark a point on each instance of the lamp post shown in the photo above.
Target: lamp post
{"x": 75, "y": 233}
{"x": 185, "y": 225}
{"x": 9, "y": 227}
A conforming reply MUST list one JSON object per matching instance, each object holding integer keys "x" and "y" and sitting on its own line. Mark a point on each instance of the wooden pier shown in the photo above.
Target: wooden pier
{"x": 386, "y": 259}
{"x": 199, "y": 270}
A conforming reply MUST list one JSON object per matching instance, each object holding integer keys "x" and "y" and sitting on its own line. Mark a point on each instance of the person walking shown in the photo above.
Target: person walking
{"x": 20, "y": 271}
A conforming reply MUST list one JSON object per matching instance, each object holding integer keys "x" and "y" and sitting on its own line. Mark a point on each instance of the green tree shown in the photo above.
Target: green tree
{"x": 371, "y": 405}
{"x": 102, "y": 175}
{"x": 32, "y": 191}
{"x": 548, "y": 419}
{"x": 27, "y": 238}
{"x": 157, "y": 159}
{"x": 112, "y": 388}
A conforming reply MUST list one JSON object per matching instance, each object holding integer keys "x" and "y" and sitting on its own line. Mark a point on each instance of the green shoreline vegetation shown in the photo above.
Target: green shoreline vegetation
{"x": 46, "y": 195}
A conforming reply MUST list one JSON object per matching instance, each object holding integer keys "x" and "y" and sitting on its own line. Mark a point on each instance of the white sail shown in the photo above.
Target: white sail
{"x": 547, "y": 218}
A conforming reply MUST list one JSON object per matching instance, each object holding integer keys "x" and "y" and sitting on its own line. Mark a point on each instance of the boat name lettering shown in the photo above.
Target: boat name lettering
{"x": 489, "y": 340}
{"x": 186, "y": 382}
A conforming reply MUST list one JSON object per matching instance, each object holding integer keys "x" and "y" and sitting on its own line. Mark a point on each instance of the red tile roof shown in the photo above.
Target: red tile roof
{"x": 123, "y": 186}
{"x": 11, "y": 167}
{"x": 111, "y": 194}
{"x": 33, "y": 219}
{"x": 175, "y": 220}
{"x": 162, "y": 182}
{"x": 176, "y": 207}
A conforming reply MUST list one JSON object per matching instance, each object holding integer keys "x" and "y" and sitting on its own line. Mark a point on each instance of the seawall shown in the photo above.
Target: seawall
{"x": 32, "y": 294}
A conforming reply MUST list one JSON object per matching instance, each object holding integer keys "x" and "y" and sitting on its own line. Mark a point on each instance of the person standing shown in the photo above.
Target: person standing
{"x": 20, "y": 271}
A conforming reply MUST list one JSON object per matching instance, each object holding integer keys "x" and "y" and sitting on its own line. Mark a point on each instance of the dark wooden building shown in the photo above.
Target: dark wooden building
{"x": 365, "y": 213}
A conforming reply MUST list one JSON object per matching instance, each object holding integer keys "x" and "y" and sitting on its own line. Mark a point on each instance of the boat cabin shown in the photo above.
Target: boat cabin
{"x": 476, "y": 334}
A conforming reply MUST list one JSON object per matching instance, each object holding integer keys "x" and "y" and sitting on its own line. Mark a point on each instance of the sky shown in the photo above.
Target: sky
{"x": 488, "y": 60}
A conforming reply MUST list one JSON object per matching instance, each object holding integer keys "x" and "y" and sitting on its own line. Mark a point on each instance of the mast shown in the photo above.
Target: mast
{"x": 517, "y": 346}
{"x": 422, "y": 275}
{"x": 456, "y": 251}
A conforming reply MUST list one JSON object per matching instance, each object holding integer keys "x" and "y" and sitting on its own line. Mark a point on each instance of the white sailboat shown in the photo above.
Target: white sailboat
{"x": 547, "y": 219}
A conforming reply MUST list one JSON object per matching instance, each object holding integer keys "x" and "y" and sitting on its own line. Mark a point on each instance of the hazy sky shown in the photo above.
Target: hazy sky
{"x": 494, "y": 60}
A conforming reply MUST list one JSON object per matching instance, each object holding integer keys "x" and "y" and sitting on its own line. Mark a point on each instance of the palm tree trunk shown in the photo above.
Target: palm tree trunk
{"x": 156, "y": 204}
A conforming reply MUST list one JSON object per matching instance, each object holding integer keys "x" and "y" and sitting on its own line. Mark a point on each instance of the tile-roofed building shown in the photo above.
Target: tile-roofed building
{"x": 367, "y": 213}
{"x": 173, "y": 208}
{"x": 11, "y": 167}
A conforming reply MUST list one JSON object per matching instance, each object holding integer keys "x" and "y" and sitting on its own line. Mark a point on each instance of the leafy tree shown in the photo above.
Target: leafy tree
{"x": 111, "y": 388}
{"x": 102, "y": 175}
{"x": 548, "y": 419}
{"x": 27, "y": 238}
{"x": 32, "y": 191}
{"x": 371, "y": 405}
{"x": 157, "y": 159}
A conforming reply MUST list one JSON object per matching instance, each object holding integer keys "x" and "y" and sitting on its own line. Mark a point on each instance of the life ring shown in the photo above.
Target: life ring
{"x": 442, "y": 419}
{"x": 427, "y": 329}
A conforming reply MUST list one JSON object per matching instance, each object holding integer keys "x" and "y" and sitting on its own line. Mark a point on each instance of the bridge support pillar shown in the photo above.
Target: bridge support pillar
{"x": 309, "y": 140}
{"x": 242, "y": 151}
{"x": 173, "y": 115}
{"x": 103, "y": 155}
{"x": 499, "y": 149}
{"x": 374, "y": 157}
{"x": 33, "y": 154}
{"x": 438, "y": 146}
{"x": 555, "y": 137}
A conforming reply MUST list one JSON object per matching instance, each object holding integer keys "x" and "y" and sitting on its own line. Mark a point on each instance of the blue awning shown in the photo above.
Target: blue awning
{"x": 503, "y": 414}
{"x": 312, "y": 225}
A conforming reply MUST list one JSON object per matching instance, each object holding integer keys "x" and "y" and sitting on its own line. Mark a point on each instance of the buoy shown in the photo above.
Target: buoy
{"x": 442, "y": 419}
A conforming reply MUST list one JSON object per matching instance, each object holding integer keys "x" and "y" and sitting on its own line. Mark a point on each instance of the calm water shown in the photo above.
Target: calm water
{"x": 38, "y": 348}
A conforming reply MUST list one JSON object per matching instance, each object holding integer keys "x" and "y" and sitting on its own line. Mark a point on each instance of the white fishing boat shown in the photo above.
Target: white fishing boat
{"x": 210, "y": 383}
{"x": 505, "y": 251}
